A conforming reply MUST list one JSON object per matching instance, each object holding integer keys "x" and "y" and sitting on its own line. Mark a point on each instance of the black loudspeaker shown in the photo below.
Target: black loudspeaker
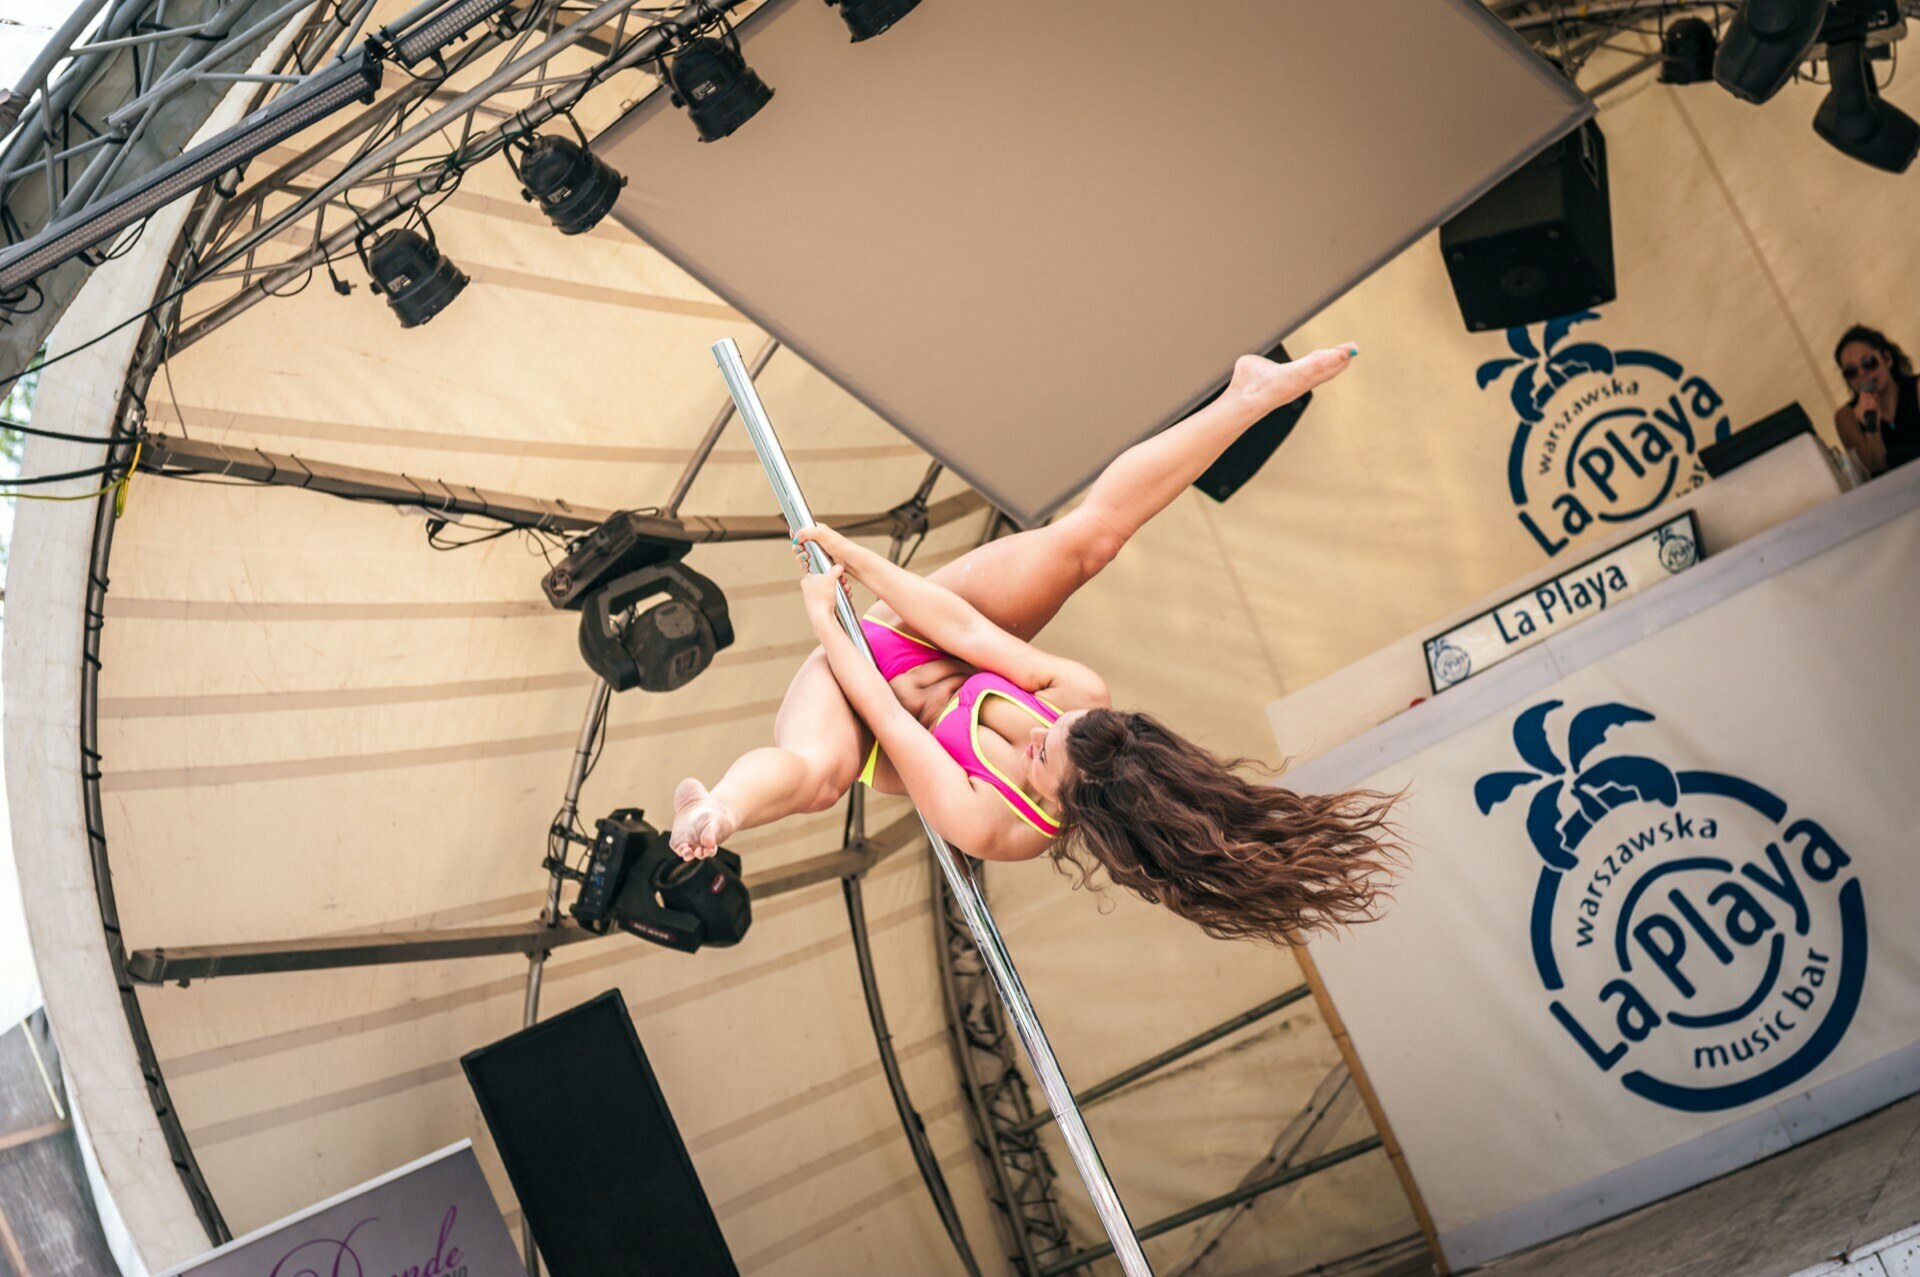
{"x": 603, "y": 1178}
{"x": 1245, "y": 455}
{"x": 1540, "y": 244}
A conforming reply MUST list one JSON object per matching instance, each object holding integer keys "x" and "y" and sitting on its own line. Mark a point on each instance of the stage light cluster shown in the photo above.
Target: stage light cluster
{"x": 1766, "y": 44}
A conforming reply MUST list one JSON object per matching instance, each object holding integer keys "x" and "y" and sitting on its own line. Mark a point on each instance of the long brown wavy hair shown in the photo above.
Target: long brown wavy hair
{"x": 1181, "y": 827}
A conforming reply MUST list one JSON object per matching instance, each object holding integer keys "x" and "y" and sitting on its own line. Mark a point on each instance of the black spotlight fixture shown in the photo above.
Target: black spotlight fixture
{"x": 574, "y": 187}
{"x": 1687, "y": 51}
{"x": 409, "y": 271}
{"x": 1854, "y": 119}
{"x": 663, "y": 648}
{"x": 635, "y": 881}
{"x": 711, "y": 79}
{"x": 868, "y": 18}
{"x": 1765, "y": 44}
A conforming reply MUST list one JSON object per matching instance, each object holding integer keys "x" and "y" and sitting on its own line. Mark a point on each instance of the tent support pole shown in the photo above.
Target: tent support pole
{"x": 590, "y": 725}
{"x": 966, "y": 893}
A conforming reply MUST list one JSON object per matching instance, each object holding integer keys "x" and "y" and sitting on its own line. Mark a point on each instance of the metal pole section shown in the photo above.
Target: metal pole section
{"x": 720, "y": 420}
{"x": 550, "y": 913}
{"x": 993, "y": 950}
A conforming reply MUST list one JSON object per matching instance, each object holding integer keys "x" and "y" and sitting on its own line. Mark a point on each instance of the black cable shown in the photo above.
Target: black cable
{"x": 435, "y": 526}
{"x": 599, "y": 742}
{"x": 136, "y": 317}
{"x": 89, "y": 473}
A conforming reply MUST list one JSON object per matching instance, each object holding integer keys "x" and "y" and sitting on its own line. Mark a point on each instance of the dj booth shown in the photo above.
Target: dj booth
{"x": 1654, "y": 922}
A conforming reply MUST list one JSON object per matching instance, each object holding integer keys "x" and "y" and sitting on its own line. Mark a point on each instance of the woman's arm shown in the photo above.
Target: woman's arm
{"x": 954, "y": 625}
{"x": 939, "y": 787}
{"x": 1869, "y": 450}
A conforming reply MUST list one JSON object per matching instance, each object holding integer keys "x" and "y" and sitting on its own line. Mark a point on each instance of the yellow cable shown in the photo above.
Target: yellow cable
{"x": 118, "y": 487}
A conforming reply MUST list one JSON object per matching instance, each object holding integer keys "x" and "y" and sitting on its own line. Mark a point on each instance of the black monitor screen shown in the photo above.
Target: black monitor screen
{"x": 603, "y": 1178}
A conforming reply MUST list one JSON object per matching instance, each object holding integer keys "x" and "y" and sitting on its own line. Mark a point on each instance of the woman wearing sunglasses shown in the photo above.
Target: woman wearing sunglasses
{"x": 1880, "y": 424}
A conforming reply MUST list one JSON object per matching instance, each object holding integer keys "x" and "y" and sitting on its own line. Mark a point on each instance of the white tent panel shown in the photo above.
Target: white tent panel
{"x": 1223, "y": 168}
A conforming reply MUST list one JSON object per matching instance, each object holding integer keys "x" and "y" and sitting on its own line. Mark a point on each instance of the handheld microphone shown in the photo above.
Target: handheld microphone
{"x": 1870, "y": 420}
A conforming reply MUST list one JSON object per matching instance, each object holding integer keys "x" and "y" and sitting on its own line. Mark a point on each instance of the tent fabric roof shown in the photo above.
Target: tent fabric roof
{"x": 312, "y": 723}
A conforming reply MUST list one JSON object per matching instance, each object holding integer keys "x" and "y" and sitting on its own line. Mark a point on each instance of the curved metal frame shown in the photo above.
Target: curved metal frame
{"x": 179, "y": 1148}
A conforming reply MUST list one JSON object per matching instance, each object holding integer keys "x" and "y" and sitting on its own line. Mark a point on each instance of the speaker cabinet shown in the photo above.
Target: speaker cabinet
{"x": 603, "y": 1178}
{"x": 1540, "y": 244}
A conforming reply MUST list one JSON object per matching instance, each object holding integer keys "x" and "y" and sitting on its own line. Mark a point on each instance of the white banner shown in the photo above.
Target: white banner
{"x": 1657, "y": 917}
{"x": 1535, "y": 615}
{"x": 432, "y": 1218}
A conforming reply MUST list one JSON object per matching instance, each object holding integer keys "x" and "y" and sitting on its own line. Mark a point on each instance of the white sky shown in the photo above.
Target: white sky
{"x": 24, "y": 28}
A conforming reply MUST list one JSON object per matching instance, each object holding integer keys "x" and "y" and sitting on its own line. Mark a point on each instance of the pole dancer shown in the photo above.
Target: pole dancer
{"x": 966, "y": 895}
{"x": 1013, "y": 753}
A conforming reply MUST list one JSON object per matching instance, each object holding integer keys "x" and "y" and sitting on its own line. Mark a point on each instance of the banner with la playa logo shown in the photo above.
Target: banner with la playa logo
{"x": 1656, "y": 921}
{"x": 1697, "y": 943}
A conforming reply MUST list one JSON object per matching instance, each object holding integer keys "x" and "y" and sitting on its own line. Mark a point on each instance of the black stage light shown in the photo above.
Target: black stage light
{"x": 410, "y": 272}
{"x": 1686, "y": 52}
{"x": 574, "y": 187}
{"x": 1765, "y": 44}
{"x": 868, "y": 18}
{"x": 1855, "y": 120}
{"x": 711, "y": 79}
{"x": 634, "y": 880}
{"x": 665, "y": 647}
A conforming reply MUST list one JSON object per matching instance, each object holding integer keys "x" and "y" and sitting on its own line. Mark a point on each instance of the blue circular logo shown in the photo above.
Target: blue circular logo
{"x": 1603, "y": 436}
{"x": 1697, "y": 939}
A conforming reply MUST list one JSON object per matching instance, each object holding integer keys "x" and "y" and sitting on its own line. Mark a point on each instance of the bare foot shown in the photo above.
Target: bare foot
{"x": 1271, "y": 384}
{"x": 700, "y": 821}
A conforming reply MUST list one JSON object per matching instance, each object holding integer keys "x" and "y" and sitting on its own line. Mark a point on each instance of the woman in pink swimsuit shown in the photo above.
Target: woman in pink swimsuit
{"x": 1011, "y": 752}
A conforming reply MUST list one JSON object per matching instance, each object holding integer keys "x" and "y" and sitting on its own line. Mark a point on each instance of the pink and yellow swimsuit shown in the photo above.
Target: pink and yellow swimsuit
{"x": 959, "y": 721}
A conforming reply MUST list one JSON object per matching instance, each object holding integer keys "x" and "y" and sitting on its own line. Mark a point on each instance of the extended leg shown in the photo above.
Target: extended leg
{"x": 818, "y": 750}
{"x": 1020, "y": 582}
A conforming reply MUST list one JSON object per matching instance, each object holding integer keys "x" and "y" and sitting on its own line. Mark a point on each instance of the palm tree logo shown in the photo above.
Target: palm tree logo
{"x": 1596, "y": 790}
{"x": 1541, "y": 375}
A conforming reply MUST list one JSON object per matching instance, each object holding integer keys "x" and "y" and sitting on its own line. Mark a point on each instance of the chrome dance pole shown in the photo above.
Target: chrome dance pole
{"x": 986, "y": 936}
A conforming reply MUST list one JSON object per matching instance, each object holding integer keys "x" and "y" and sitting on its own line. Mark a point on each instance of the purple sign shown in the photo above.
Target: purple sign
{"x": 433, "y": 1218}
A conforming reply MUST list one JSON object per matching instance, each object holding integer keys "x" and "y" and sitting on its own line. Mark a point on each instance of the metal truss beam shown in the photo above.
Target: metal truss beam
{"x": 473, "y": 150}
{"x": 171, "y": 457}
{"x": 205, "y": 962}
{"x": 1146, "y": 1068}
{"x": 135, "y": 80}
{"x": 1244, "y": 1193}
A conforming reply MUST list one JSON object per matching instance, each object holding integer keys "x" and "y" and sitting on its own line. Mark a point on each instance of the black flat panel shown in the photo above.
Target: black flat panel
{"x": 586, "y": 1137}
